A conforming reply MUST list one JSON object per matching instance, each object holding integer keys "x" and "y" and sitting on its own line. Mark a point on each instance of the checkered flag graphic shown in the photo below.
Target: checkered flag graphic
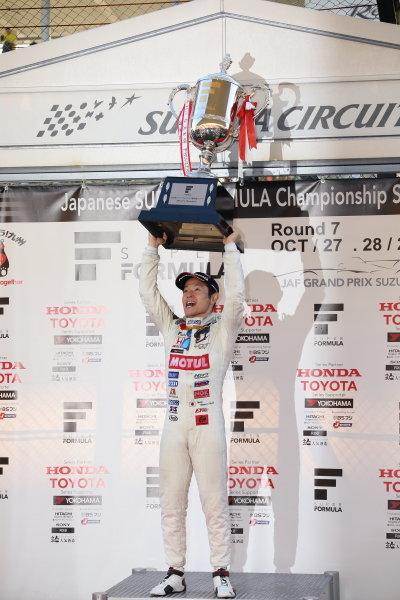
{"x": 65, "y": 120}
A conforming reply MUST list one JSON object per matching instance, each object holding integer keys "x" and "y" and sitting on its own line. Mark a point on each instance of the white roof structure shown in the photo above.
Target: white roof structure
{"x": 96, "y": 101}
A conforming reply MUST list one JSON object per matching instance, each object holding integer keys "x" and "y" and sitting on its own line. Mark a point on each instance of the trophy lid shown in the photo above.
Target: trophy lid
{"x": 224, "y": 65}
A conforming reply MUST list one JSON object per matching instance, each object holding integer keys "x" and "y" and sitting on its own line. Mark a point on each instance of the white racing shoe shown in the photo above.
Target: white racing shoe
{"x": 222, "y": 585}
{"x": 173, "y": 582}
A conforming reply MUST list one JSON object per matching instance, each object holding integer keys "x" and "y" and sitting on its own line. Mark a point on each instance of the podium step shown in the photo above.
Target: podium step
{"x": 249, "y": 586}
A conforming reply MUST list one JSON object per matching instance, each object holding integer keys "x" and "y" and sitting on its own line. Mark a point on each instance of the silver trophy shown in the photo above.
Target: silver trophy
{"x": 214, "y": 123}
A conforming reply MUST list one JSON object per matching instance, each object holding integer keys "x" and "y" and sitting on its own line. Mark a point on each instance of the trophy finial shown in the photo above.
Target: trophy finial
{"x": 226, "y": 63}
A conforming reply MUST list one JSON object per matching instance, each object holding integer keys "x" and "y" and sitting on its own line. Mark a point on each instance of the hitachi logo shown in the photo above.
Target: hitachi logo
{"x": 189, "y": 363}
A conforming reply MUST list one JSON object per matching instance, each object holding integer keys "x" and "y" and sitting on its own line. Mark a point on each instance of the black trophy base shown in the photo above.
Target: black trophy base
{"x": 193, "y": 212}
{"x": 191, "y": 236}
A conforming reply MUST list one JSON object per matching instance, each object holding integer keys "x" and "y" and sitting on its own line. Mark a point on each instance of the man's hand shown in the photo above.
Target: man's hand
{"x": 233, "y": 237}
{"x": 156, "y": 241}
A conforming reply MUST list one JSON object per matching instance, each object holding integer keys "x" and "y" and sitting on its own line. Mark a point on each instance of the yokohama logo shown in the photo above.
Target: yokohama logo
{"x": 393, "y": 336}
{"x": 78, "y": 339}
{"x": 255, "y": 338}
{"x": 60, "y": 500}
{"x": 189, "y": 363}
{"x": 249, "y": 500}
{"x": 322, "y": 403}
{"x": 8, "y": 395}
{"x": 151, "y": 403}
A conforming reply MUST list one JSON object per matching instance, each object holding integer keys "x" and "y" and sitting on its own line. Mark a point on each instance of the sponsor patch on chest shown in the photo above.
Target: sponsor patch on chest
{"x": 201, "y": 383}
{"x": 201, "y": 419}
{"x": 201, "y": 393}
{"x": 189, "y": 363}
{"x": 183, "y": 341}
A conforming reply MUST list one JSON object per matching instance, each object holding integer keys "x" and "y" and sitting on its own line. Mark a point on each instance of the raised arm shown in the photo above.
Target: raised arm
{"x": 234, "y": 286}
{"x": 148, "y": 288}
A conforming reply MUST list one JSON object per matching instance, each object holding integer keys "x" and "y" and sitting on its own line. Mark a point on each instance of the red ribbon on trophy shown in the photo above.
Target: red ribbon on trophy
{"x": 247, "y": 130}
{"x": 183, "y": 132}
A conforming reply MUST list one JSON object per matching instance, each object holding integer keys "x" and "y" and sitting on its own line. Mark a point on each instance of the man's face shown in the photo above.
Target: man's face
{"x": 195, "y": 299}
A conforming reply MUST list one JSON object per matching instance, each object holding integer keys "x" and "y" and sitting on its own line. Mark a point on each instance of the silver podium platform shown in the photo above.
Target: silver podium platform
{"x": 249, "y": 586}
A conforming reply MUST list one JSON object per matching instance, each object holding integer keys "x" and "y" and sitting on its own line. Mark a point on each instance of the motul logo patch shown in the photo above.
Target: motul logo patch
{"x": 189, "y": 363}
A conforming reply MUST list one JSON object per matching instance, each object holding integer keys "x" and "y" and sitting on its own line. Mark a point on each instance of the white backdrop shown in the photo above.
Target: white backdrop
{"x": 99, "y": 97}
{"x": 312, "y": 399}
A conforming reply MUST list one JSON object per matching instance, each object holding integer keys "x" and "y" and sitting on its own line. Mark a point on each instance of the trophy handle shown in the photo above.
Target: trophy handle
{"x": 179, "y": 88}
{"x": 267, "y": 100}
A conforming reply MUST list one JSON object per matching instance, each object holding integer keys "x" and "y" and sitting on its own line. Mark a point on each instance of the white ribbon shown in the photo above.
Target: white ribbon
{"x": 183, "y": 132}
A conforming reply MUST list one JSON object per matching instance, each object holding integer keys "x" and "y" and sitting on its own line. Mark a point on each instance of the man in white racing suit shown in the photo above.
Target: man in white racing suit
{"x": 198, "y": 349}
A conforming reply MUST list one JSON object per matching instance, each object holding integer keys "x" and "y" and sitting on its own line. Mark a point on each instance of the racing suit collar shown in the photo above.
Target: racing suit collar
{"x": 197, "y": 322}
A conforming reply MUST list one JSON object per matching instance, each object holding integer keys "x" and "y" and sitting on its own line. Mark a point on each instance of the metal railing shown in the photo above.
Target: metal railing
{"x": 34, "y": 21}
{"x": 367, "y": 10}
